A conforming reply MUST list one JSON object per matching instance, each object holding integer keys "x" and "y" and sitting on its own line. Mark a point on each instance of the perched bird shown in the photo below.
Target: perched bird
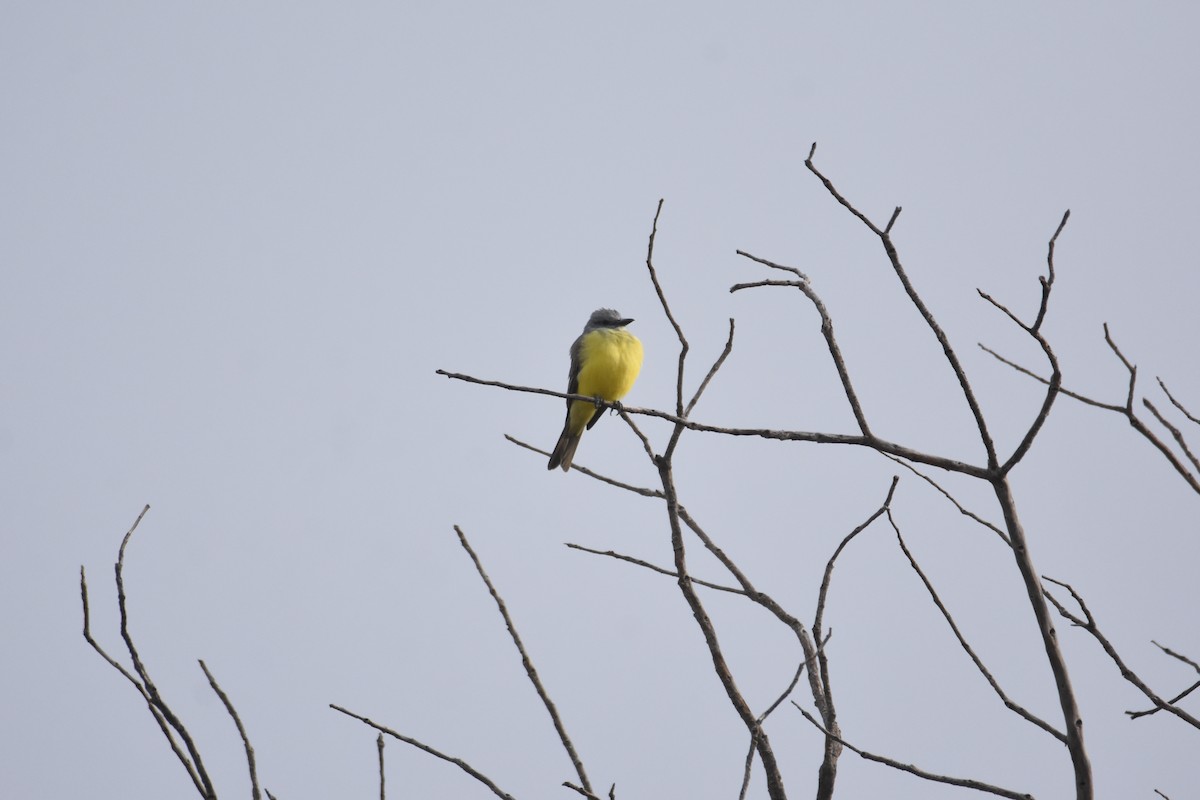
{"x": 605, "y": 361}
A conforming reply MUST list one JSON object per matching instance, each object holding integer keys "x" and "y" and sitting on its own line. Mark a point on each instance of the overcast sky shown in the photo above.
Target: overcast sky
{"x": 237, "y": 240}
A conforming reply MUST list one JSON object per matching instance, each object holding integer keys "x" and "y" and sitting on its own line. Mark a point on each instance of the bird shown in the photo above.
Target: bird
{"x": 605, "y": 361}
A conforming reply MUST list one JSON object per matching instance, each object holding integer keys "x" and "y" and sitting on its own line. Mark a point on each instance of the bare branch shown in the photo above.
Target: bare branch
{"x": 1172, "y": 701}
{"x": 1181, "y": 695}
{"x": 827, "y": 708}
{"x": 791, "y": 270}
{"x": 144, "y": 675}
{"x": 1177, "y": 656}
{"x": 1072, "y": 718}
{"x": 382, "y": 780}
{"x": 1048, "y": 281}
{"x": 966, "y": 783}
{"x": 1003, "y": 308}
{"x": 1054, "y": 382}
{"x": 951, "y": 358}
{"x": 1176, "y": 434}
{"x": 1073, "y": 395}
{"x": 458, "y": 762}
{"x": 983, "y": 670}
{"x": 892, "y": 221}
{"x": 154, "y": 712}
{"x": 1125, "y": 410}
{"x": 652, "y": 567}
{"x": 1176, "y": 403}
{"x": 961, "y": 509}
{"x": 646, "y": 446}
{"x": 527, "y": 662}
{"x": 1088, "y": 623}
{"x": 712, "y": 371}
{"x": 254, "y": 791}
{"x": 662, "y": 298}
{"x": 591, "y": 474}
{"x": 168, "y": 723}
{"x": 839, "y": 361}
{"x": 612, "y": 791}
{"x": 775, "y": 787}
{"x": 825, "y": 581}
{"x": 872, "y": 442}
{"x": 762, "y": 718}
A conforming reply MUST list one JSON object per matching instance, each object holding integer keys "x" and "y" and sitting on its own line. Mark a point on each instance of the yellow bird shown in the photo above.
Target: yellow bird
{"x": 605, "y": 361}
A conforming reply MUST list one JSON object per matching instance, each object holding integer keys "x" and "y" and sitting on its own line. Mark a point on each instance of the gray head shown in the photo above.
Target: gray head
{"x": 605, "y": 318}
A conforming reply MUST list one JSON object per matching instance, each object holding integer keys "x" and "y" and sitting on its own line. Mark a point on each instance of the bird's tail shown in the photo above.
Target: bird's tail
{"x": 564, "y": 451}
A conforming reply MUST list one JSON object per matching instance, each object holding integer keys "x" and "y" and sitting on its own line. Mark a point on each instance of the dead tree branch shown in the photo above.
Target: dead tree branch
{"x": 527, "y": 662}
{"x": 1019, "y": 710}
{"x": 168, "y": 722}
{"x": 663, "y": 464}
{"x": 1089, "y": 624}
{"x": 1126, "y": 409}
{"x": 458, "y": 762}
{"x": 966, "y": 783}
{"x": 254, "y": 790}
{"x": 885, "y": 239}
{"x": 382, "y": 778}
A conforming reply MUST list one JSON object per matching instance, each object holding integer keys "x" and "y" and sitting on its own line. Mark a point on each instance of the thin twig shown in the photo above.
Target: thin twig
{"x": 951, "y": 358}
{"x": 662, "y": 298}
{"x": 1048, "y": 281}
{"x": 1176, "y": 403}
{"x": 1054, "y": 382}
{"x": 527, "y": 662}
{"x": 824, "y": 703}
{"x": 168, "y": 723}
{"x": 1125, "y": 410}
{"x": 382, "y": 780}
{"x": 1176, "y": 434}
{"x": 983, "y": 670}
{"x": 1177, "y": 656}
{"x": 711, "y": 372}
{"x": 762, "y": 718}
{"x": 583, "y": 792}
{"x": 835, "y": 352}
{"x": 1063, "y": 391}
{"x": 966, "y": 783}
{"x": 254, "y": 790}
{"x": 1172, "y": 701}
{"x": 645, "y": 440}
{"x": 154, "y": 712}
{"x": 590, "y": 473}
{"x": 652, "y": 567}
{"x": 828, "y": 576}
{"x": 961, "y": 508}
{"x": 828, "y": 711}
{"x": 458, "y": 762}
{"x": 1088, "y": 623}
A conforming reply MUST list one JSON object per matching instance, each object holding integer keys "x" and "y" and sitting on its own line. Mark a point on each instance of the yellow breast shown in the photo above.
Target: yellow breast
{"x": 610, "y": 360}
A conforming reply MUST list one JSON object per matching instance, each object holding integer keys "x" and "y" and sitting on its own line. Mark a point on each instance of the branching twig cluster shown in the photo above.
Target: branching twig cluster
{"x": 1088, "y": 623}
{"x": 994, "y": 471}
{"x": 176, "y": 733}
{"x": 995, "y": 464}
{"x": 1184, "y": 461}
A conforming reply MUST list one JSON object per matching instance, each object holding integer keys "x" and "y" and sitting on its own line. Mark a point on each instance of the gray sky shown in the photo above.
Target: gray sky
{"x": 237, "y": 242}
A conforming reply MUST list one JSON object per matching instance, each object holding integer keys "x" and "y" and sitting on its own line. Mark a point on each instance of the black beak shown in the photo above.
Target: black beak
{"x": 624, "y": 322}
